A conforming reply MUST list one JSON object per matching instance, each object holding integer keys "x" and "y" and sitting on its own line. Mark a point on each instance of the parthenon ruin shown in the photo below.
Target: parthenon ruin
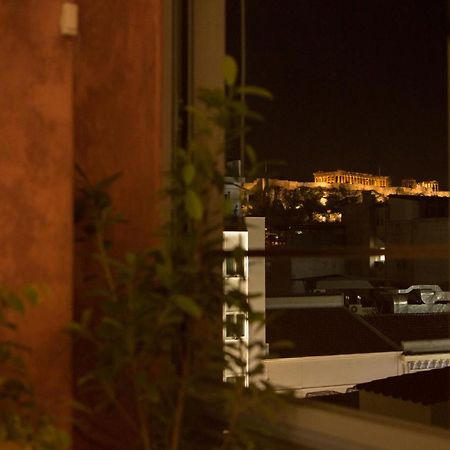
{"x": 354, "y": 181}
{"x": 342, "y": 176}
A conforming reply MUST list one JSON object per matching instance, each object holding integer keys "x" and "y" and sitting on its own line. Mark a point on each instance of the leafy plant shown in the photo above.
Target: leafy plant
{"x": 154, "y": 331}
{"x": 21, "y": 420}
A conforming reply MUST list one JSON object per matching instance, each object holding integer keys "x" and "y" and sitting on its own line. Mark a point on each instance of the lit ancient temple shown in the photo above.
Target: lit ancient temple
{"x": 344, "y": 177}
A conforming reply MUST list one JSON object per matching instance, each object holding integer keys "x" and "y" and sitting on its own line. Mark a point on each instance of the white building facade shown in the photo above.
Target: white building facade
{"x": 246, "y": 274}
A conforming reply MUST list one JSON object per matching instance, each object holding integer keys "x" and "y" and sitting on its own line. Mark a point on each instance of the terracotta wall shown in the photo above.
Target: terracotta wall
{"x": 36, "y": 160}
{"x": 118, "y": 76}
{"x": 117, "y": 128}
{"x": 112, "y": 112}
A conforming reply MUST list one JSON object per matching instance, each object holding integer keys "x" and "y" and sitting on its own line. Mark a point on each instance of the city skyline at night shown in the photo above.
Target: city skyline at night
{"x": 360, "y": 85}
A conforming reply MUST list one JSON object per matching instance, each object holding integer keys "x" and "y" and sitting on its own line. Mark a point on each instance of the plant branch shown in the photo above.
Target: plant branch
{"x": 181, "y": 396}
{"x": 144, "y": 429}
{"x": 121, "y": 409}
{"x": 243, "y": 82}
{"x": 236, "y": 406}
{"x": 105, "y": 263}
{"x": 234, "y": 416}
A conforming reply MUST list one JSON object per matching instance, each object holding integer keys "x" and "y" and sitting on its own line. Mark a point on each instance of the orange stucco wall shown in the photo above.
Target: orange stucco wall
{"x": 36, "y": 160}
{"x": 118, "y": 78}
{"x": 94, "y": 99}
{"x": 117, "y": 128}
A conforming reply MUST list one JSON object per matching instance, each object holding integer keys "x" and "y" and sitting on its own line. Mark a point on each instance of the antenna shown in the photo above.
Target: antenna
{"x": 243, "y": 82}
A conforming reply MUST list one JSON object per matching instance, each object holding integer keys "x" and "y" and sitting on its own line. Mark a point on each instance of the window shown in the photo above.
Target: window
{"x": 378, "y": 214}
{"x": 234, "y": 267}
{"x": 235, "y": 379}
{"x": 235, "y": 325}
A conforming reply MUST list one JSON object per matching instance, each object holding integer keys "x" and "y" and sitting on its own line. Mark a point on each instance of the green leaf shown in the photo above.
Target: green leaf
{"x": 111, "y": 322}
{"x": 78, "y": 330}
{"x": 188, "y": 173}
{"x": 81, "y": 407}
{"x": 194, "y": 206}
{"x": 230, "y": 70}
{"x": 9, "y": 325}
{"x": 187, "y": 305}
{"x": 80, "y": 172}
{"x": 228, "y": 207}
{"x": 255, "y": 91}
{"x": 107, "y": 182}
{"x": 31, "y": 294}
{"x": 195, "y": 111}
{"x": 86, "y": 317}
{"x": 86, "y": 380}
{"x": 254, "y": 116}
{"x": 14, "y": 302}
{"x": 250, "y": 151}
{"x": 131, "y": 258}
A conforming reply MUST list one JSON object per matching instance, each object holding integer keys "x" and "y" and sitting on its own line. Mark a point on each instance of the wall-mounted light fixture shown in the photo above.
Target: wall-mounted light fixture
{"x": 69, "y": 19}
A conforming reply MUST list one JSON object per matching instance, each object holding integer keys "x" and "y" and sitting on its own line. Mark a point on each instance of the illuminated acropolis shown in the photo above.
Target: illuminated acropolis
{"x": 342, "y": 176}
{"x": 354, "y": 181}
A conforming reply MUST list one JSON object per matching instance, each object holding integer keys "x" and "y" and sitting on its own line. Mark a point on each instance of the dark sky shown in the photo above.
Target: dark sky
{"x": 358, "y": 84}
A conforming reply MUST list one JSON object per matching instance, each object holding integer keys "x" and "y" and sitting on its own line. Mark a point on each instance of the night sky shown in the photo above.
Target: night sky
{"x": 358, "y": 84}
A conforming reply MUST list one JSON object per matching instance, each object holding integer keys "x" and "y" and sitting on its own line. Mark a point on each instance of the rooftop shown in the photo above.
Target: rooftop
{"x": 322, "y": 331}
{"x": 427, "y": 387}
{"x": 411, "y": 327}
